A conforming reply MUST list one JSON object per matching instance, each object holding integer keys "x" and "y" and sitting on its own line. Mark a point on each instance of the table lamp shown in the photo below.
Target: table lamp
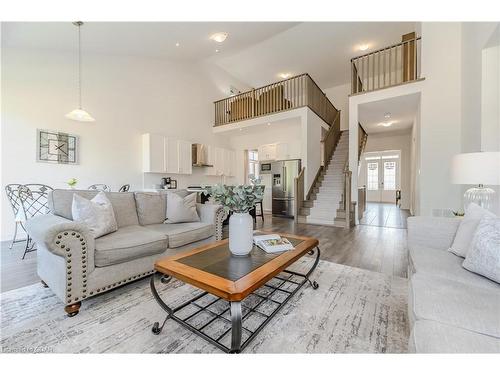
{"x": 477, "y": 168}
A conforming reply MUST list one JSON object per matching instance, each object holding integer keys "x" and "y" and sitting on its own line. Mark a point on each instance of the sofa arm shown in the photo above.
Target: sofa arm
{"x": 213, "y": 214}
{"x": 434, "y": 232}
{"x": 64, "y": 238}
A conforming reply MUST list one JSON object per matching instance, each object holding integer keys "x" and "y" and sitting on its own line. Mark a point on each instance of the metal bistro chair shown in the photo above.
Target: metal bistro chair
{"x": 124, "y": 188}
{"x": 34, "y": 201}
{"x": 12, "y": 191}
{"x": 100, "y": 187}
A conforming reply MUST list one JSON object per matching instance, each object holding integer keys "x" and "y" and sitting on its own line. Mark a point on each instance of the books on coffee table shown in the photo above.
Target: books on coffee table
{"x": 272, "y": 243}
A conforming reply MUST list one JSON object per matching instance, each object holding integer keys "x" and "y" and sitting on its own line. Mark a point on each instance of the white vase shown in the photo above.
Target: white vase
{"x": 240, "y": 233}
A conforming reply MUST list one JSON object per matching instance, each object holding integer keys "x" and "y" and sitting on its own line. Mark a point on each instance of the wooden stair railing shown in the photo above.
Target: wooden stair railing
{"x": 291, "y": 93}
{"x": 299, "y": 193}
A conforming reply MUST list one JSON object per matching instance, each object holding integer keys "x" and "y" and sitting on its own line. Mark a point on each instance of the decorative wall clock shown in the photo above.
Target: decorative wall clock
{"x": 56, "y": 147}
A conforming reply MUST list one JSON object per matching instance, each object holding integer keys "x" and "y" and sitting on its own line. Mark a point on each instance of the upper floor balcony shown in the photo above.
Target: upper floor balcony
{"x": 389, "y": 66}
{"x": 292, "y": 93}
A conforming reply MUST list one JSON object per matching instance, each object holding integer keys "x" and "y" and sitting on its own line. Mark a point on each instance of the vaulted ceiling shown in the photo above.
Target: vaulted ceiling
{"x": 254, "y": 52}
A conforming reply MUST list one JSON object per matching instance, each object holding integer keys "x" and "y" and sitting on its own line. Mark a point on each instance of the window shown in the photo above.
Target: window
{"x": 390, "y": 157}
{"x": 372, "y": 176}
{"x": 389, "y": 175}
{"x": 372, "y": 158}
{"x": 253, "y": 163}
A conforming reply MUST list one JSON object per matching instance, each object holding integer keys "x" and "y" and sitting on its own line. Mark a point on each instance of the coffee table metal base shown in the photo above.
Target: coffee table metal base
{"x": 296, "y": 279}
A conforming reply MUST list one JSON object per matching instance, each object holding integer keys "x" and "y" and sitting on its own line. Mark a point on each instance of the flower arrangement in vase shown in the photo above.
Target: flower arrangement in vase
{"x": 238, "y": 199}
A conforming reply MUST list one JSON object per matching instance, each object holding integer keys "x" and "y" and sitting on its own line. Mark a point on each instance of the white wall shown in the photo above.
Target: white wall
{"x": 440, "y": 130}
{"x": 339, "y": 96}
{"x": 128, "y": 96}
{"x": 392, "y": 141}
{"x": 474, "y": 38}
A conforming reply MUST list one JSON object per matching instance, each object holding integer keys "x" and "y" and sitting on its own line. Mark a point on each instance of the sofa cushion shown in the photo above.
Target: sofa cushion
{"x": 483, "y": 257}
{"x": 181, "y": 209}
{"x": 183, "y": 233}
{"x": 97, "y": 213}
{"x": 126, "y": 244}
{"x": 60, "y": 201}
{"x": 445, "y": 264}
{"x": 151, "y": 207}
{"x": 454, "y": 303}
{"x": 465, "y": 233}
{"x": 432, "y": 337}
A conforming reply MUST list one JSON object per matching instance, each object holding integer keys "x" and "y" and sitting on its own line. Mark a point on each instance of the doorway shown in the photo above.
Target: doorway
{"x": 383, "y": 176}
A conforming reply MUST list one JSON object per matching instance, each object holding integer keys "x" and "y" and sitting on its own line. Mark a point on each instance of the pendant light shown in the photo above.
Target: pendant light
{"x": 80, "y": 114}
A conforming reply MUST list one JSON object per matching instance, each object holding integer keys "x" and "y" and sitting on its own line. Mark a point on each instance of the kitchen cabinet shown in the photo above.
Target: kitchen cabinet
{"x": 165, "y": 155}
{"x": 171, "y": 155}
{"x": 153, "y": 153}
{"x": 267, "y": 152}
{"x": 185, "y": 157}
{"x": 279, "y": 151}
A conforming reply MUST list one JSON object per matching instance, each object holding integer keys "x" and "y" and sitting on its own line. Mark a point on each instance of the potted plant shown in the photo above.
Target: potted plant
{"x": 72, "y": 182}
{"x": 238, "y": 199}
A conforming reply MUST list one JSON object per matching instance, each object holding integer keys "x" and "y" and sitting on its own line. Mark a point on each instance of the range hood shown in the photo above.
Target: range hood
{"x": 199, "y": 155}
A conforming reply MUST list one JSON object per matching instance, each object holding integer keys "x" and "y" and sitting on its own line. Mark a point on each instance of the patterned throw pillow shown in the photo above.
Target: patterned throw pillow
{"x": 483, "y": 257}
{"x": 181, "y": 209}
{"x": 467, "y": 228}
{"x": 97, "y": 213}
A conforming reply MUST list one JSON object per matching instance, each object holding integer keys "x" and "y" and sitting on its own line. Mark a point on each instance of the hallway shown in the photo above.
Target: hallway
{"x": 386, "y": 215}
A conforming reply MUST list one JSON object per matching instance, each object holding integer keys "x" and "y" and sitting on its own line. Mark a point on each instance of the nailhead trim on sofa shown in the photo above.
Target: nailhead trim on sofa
{"x": 220, "y": 216}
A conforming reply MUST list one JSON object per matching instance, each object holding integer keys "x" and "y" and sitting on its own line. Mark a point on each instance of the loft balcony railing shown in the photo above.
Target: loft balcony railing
{"x": 389, "y": 66}
{"x": 292, "y": 93}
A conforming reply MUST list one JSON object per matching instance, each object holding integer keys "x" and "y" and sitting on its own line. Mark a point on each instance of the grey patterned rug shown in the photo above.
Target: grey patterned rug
{"x": 353, "y": 311}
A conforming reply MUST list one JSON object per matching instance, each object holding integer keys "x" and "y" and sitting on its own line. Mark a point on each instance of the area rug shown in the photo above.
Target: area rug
{"x": 352, "y": 311}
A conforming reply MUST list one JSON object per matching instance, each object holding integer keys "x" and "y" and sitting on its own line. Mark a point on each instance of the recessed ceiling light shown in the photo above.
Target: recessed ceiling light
{"x": 216, "y": 51}
{"x": 387, "y": 115}
{"x": 219, "y": 37}
{"x": 385, "y": 124}
{"x": 241, "y": 129}
{"x": 177, "y": 44}
{"x": 268, "y": 123}
{"x": 285, "y": 75}
{"x": 363, "y": 47}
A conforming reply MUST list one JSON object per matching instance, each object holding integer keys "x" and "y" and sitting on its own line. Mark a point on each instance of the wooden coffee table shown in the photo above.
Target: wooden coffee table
{"x": 234, "y": 289}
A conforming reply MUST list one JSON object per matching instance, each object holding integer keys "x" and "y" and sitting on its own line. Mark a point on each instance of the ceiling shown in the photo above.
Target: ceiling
{"x": 144, "y": 39}
{"x": 254, "y": 52}
{"x": 322, "y": 49}
{"x": 402, "y": 110}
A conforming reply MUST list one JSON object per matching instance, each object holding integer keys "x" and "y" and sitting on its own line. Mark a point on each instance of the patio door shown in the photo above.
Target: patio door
{"x": 382, "y": 178}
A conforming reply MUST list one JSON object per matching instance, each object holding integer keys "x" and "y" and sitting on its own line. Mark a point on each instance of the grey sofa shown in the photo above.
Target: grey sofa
{"x": 451, "y": 310}
{"x": 76, "y": 266}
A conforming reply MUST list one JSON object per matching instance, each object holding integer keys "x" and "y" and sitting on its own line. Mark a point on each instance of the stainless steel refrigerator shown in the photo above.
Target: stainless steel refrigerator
{"x": 283, "y": 189}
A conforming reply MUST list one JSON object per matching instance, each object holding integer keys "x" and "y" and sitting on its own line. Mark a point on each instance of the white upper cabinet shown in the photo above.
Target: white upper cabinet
{"x": 153, "y": 153}
{"x": 171, "y": 155}
{"x": 185, "y": 157}
{"x": 165, "y": 155}
{"x": 267, "y": 152}
{"x": 280, "y": 151}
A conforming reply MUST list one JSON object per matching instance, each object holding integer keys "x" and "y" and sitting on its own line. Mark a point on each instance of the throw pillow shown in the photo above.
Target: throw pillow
{"x": 467, "y": 228}
{"x": 483, "y": 257}
{"x": 181, "y": 209}
{"x": 97, "y": 213}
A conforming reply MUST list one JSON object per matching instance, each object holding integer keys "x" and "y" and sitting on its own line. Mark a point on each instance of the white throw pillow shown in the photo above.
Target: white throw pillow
{"x": 96, "y": 213}
{"x": 181, "y": 209}
{"x": 467, "y": 228}
{"x": 483, "y": 257}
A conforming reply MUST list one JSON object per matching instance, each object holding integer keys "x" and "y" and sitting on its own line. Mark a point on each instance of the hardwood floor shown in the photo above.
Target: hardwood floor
{"x": 384, "y": 215}
{"x": 374, "y": 248}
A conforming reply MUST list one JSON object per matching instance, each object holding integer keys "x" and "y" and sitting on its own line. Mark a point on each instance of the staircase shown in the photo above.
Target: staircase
{"x": 324, "y": 205}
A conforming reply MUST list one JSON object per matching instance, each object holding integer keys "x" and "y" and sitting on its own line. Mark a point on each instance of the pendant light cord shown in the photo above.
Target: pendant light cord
{"x": 79, "y": 68}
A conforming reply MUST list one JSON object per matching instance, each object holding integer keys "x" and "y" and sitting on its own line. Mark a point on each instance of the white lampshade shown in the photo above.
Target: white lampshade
{"x": 476, "y": 168}
{"x": 80, "y": 115}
